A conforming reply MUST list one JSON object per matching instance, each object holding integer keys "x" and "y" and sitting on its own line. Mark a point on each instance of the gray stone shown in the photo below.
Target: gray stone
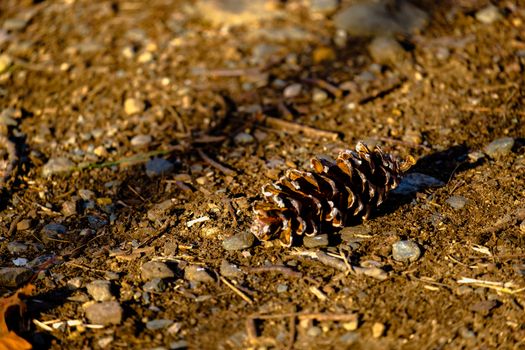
{"x": 59, "y": 165}
{"x": 159, "y": 167}
{"x": 112, "y": 276}
{"x": 179, "y": 345}
{"x": 160, "y": 210}
{"x": 104, "y": 313}
{"x": 243, "y": 138}
{"x": 406, "y": 251}
{"x": 239, "y": 241}
{"x": 349, "y": 338}
{"x": 156, "y": 269}
{"x": 96, "y": 222}
{"x": 387, "y": 51}
{"x": 316, "y": 241}
{"x": 20, "y": 262}
{"x": 52, "y": 232}
{"x": 141, "y": 140}
{"x": 489, "y": 14}
{"x": 154, "y": 325}
{"x": 13, "y": 277}
{"x": 415, "y": 182}
{"x": 374, "y": 18}
{"x": 16, "y": 247}
{"x": 100, "y": 290}
{"x": 156, "y": 285}
{"x": 292, "y": 90}
{"x": 195, "y": 273}
{"x": 230, "y": 270}
{"x": 323, "y": 6}
{"x": 499, "y": 147}
{"x": 236, "y": 12}
{"x": 457, "y": 202}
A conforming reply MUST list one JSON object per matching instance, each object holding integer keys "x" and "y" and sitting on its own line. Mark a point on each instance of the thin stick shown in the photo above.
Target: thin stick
{"x": 274, "y": 268}
{"x": 294, "y": 128}
{"x": 236, "y": 290}
{"x": 323, "y": 84}
{"x": 216, "y": 164}
{"x": 292, "y": 327}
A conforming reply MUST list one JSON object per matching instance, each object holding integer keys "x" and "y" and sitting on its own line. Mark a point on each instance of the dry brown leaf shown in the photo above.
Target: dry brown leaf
{"x": 9, "y": 340}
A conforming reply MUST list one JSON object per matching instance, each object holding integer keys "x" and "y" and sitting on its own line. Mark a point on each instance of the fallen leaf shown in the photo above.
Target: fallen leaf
{"x": 9, "y": 340}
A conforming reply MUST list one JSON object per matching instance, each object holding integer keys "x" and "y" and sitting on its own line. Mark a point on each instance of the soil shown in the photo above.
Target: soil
{"x": 206, "y": 93}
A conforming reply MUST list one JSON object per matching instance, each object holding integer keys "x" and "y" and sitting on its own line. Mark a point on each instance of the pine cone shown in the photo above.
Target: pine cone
{"x": 303, "y": 203}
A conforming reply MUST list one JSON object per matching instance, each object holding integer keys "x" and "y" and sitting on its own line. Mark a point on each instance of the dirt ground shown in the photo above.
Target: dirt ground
{"x": 232, "y": 101}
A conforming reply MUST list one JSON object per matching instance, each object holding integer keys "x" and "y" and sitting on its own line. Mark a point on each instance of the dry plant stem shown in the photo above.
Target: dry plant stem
{"x": 275, "y": 268}
{"x": 236, "y": 290}
{"x": 294, "y": 128}
{"x": 382, "y": 93}
{"x": 505, "y": 221}
{"x": 323, "y": 84}
{"x": 216, "y": 164}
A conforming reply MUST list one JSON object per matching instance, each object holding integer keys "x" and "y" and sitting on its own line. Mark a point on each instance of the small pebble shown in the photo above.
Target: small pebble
{"x": 314, "y": 331}
{"x": 484, "y": 308}
{"x": 156, "y": 285}
{"x": 104, "y": 313}
{"x": 141, "y": 140}
{"x": 69, "y": 208}
{"x": 350, "y": 233}
{"x": 133, "y": 106}
{"x": 239, "y": 241}
{"x": 386, "y": 50}
{"x": 489, "y": 14}
{"x": 348, "y": 338}
{"x": 197, "y": 273}
{"x": 378, "y": 329}
{"x": 154, "y": 325}
{"x": 100, "y": 290}
{"x": 292, "y": 90}
{"x": 406, "y": 251}
{"x": 52, "y": 232}
{"x": 158, "y": 167}
{"x": 16, "y": 247}
{"x": 281, "y": 288}
{"x": 5, "y": 62}
{"x": 457, "y": 202}
{"x": 20, "y": 262}
{"x": 160, "y": 210}
{"x": 60, "y": 165}
{"x": 475, "y": 156}
{"x": 179, "y": 345}
{"x": 243, "y": 138}
{"x": 13, "y": 277}
{"x": 14, "y": 24}
{"x": 316, "y": 241}
{"x": 319, "y": 95}
{"x": 112, "y": 276}
{"x": 522, "y": 226}
{"x": 86, "y": 194}
{"x": 75, "y": 283}
{"x": 23, "y": 225}
{"x": 96, "y": 222}
{"x": 230, "y": 270}
{"x": 105, "y": 341}
{"x": 155, "y": 269}
{"x": 323, "y": 6}
{"x": 463, "y": 290}
{"x": 499, "y": 147}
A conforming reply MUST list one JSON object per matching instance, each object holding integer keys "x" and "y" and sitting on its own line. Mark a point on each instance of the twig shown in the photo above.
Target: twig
{"x": 216, "y": 164}
{"x": 229, "y": 205}
{"x": 292, "y": 326}
{"x": 340, "y": 265}
{"x": 323, "y": 84}
{"x": 498, "y": 286}
{"x": 274, "y": 268}
{"x": 294, "y": 128}
{"x": 12, "y": 226}
{"x": 236, "y": 290}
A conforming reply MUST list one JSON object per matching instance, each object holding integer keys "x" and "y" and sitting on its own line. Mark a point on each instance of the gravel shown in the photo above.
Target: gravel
{"x": 133, "y": 106}
{"x": 141, "y": 140}
{"x": 378, "y": 329}
{"x": 59, "y": 165}
{"x": 104, "y": 313}
{"x": 292, "y": 90}
{"x": 156, "y": 269}
{"x": 489, "y": 14}
{"x": 499, "y": 147}
{"x": 195, "y": 273}
{"x": 100, "y": 290}
{"x": 156, "y": 285}
{"x": 239, "y": 241}
{"x": 16, "y": 247}
{"x": 154, "y": 325}
{"x": 230, "y": 270}
{"x": 457, "y": 202}
{"x": 386, "y": 50}
{"x": 406, "y": 251}
{"x": 243, "y": 138}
